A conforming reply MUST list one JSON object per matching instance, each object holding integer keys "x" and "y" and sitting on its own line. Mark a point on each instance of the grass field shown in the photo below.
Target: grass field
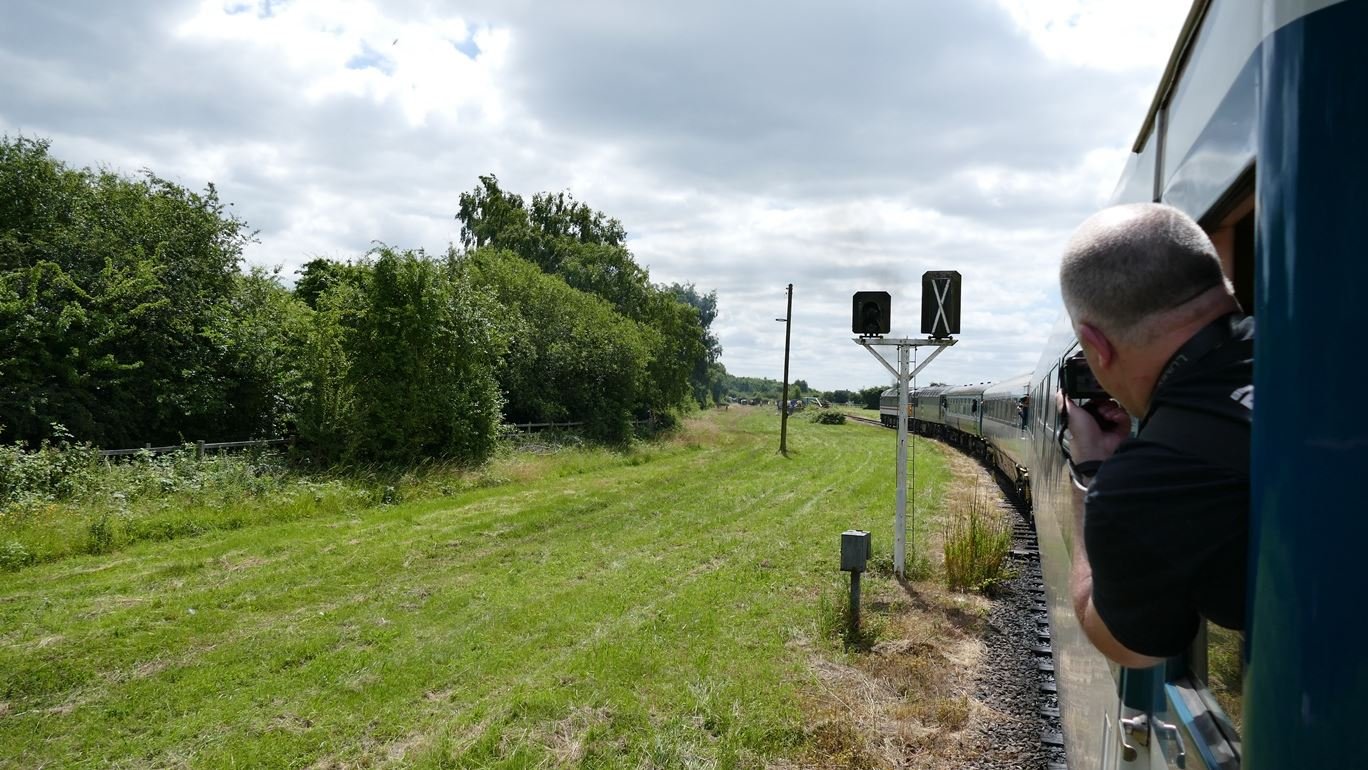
{"x": 660, "y": 607}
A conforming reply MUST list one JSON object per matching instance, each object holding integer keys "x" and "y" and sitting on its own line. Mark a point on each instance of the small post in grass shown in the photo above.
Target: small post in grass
{"x": 855, "y": 545}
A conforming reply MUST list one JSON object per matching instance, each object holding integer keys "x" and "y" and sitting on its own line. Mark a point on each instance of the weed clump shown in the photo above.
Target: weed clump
{"x": 829, "y": 418}
{"x": 833, "y": 618}
{"x": 977, "y": 542}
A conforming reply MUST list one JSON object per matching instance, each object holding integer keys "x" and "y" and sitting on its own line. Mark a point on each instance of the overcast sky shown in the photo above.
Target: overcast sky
{"x": 839, "y": 146}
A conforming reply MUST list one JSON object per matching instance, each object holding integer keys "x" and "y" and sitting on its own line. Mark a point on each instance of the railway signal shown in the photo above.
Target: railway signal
{"x": 871, "y": 313}
{"x": 871, "y": 319}
{"x": 940, "y": 310}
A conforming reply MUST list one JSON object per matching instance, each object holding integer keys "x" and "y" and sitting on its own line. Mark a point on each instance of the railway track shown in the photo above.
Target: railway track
{"x": 1018, "y": 673}
{"x": 865, "y": 420}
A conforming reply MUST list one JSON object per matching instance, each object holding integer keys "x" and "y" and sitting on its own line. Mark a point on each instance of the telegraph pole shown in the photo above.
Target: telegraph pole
{"x": 783, "y": 406}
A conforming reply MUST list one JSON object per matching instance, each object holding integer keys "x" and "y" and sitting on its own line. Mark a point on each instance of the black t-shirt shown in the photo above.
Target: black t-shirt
{"x": 1166, "y": 530}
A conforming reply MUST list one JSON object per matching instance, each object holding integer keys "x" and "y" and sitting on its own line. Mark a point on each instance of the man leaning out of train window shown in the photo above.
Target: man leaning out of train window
{"x": 1163, "y": 513}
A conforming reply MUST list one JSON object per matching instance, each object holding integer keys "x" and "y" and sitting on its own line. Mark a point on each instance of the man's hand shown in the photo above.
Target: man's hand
{"x": 1087, "y": 439}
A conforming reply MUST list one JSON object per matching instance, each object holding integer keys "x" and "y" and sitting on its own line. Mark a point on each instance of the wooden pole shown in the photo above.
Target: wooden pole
{"x": 784, "y": 406}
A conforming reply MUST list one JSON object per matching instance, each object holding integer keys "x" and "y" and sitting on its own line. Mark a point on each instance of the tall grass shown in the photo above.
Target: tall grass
{"x": 977, "y": 542}
{"x": 64, "y": 500}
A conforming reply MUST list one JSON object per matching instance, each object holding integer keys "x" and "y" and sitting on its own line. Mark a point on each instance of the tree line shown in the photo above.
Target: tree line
{"x": 126, "y": 317}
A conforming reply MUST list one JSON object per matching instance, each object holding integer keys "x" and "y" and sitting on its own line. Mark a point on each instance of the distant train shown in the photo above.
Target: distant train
{"x": 987, "y": 421}
{"x": 1257, "y": 132}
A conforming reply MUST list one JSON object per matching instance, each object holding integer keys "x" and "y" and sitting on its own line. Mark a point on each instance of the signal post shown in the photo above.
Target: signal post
{"x": 871, "y": 319}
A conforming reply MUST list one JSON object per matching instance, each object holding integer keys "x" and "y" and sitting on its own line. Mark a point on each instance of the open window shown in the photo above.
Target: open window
{"x": 1217, "y": 659}
{"x": 1230, "y": 224}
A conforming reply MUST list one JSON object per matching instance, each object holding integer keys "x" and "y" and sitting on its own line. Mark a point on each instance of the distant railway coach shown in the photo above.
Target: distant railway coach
{"x": 962, "y": 415}
{"x": 926, "y": 409}
{"x": 1007, "y": 443}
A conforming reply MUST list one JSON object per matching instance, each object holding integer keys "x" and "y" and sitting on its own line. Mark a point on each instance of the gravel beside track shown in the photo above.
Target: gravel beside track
{"x": 1015, "y": 679}
{"x": 1016, "y": 666}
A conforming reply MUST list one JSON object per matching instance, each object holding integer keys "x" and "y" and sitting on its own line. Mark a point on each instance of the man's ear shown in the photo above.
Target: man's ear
{"x": 1097, "y": 342}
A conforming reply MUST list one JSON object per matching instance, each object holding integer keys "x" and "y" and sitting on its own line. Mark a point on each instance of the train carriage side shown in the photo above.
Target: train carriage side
{"x": 925, "y": 410}
{"x": 888, "y": 407}
{"x": 1256, "y": 132}
{"x": 1005, "y": 417}
{"x": 962, "y": 414}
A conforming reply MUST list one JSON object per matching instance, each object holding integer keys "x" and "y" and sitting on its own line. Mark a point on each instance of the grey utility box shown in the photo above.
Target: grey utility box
{"x": 855, "y": 550}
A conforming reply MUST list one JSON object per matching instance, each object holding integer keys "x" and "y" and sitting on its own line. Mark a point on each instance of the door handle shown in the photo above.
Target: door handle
{"x": 1168, "y": 732}
{"x": 1137, "y": 728}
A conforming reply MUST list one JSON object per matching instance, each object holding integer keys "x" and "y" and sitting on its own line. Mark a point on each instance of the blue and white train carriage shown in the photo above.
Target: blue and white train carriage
{"x": 1259, "y": 131}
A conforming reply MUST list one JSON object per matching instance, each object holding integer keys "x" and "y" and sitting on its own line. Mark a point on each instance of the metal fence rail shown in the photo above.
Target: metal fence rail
{"x": 530, "y": 425}
{"x": 200, "y": 447}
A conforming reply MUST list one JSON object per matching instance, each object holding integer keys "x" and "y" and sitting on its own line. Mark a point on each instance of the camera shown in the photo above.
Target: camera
{"x": 1077, "y": 381}
{"x": 1079, "y": 384}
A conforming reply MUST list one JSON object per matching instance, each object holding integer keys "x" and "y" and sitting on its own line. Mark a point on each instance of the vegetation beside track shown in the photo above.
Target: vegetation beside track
{"x": 667, "y": 606}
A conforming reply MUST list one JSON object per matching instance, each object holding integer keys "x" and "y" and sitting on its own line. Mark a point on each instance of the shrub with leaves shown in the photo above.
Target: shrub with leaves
{"x": 109, "y": 289}
{"x": 49, "y": 473}
{"x": 420, "y": 366}
{"x": 570, "y": 357}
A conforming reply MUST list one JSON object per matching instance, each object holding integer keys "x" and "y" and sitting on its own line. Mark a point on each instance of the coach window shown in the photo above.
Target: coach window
{"x": 1230, "y": 224}
{"x": 1218, "y": 659}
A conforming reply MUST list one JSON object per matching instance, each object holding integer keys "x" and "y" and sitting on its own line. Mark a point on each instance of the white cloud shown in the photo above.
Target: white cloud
{"x": 334, "y": 48}
{"x": 1102, "y": 34}
{"x": 744, "y": 146}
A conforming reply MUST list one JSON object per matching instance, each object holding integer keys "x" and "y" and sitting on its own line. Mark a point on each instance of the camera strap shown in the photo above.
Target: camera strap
{"x": 1210, "y": 337}
{"x": 1222, "y": 440}
{"x": 1082, "y": 472}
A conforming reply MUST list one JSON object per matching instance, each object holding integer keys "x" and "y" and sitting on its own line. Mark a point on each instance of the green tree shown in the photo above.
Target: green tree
{"x": 706, "y": 388}
{"x": 869, "y": 397}
{"x": 420, "y": 366}
{"x": 109, "y": 286}
{"x": 839, "y": 396}
{"x": 320, "y": 274}
{"x": 587, "y": 250}
{"x": 569, "y": 356}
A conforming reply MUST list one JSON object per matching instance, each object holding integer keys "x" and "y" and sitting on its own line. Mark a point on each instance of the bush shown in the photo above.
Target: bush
{"x": 13, "y": 556}
{"x": 111, "y": 291}
{"x": 399, "y": 366}
{"x": 829, "y": 418}
{"x": 47, "y": 474}
{"x": 976, "y": 547}
{"x": 422, "y": 367}
{"x": 570, "y": 357}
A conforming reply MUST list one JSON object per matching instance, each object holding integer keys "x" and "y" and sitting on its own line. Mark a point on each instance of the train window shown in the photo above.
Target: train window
{"x": 1230, "y": 223}
{"x": 973, "y": 407}
{"x": 1218, "y": 659}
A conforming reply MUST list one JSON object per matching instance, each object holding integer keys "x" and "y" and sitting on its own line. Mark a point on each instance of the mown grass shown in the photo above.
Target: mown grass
{"x": 655, "y": 608}
{"x": 79, "y": 504}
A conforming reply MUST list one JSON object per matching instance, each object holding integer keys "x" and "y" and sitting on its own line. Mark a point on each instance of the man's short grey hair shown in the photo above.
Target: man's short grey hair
{"x": 1127, "y": 264}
